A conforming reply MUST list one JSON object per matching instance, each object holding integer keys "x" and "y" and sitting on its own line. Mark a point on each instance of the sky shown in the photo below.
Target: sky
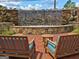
{"x": 34, "y": 4}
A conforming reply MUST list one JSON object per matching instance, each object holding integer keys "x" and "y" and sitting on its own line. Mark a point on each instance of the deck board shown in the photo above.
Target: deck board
{"x": 40, "y": 52}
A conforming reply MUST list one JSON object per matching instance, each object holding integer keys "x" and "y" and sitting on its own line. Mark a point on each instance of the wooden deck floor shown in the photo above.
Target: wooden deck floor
{"x": 40, "y": 52}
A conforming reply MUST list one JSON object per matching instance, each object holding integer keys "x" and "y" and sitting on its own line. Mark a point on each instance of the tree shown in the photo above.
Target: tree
{"x": 69, "y": 5}
{"x": 2, "y": 7}
{"x": 71, "y": 16}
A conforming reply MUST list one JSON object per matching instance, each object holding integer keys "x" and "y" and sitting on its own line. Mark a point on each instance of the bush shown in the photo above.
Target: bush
{"x": 10, "y": 32}
{"x": 76, "y": 30}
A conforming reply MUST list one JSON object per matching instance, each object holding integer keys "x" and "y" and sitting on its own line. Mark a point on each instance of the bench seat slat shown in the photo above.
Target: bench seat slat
{"x": 67, "y": 45}
{"x": 16, "y": 45}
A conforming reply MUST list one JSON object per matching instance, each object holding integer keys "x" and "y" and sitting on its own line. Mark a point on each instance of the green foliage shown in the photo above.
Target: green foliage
{"x": 69, "y": 4}
{"x": 8, "y": 32}
{"x": 76, "y": 30}
{"x": 2, "y": 7}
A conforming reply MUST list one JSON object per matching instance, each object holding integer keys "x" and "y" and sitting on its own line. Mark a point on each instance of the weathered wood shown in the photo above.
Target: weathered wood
{"x": 17, "y": 46}
{"x": 62, "y": 45}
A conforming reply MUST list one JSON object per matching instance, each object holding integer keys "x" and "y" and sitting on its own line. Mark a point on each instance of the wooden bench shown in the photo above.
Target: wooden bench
{"x": 17, "y": 46}
{"x": 61, "y": 45}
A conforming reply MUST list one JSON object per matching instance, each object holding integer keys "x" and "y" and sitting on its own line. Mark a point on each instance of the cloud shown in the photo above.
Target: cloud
{"x": 77, "y": 4}
{"x": 17, "y": 0}
{"x": 18, "y": 6}
{"x": 9, "y": 0}
{"x": 26, "y": 0}
{"x": 14, "y": 3}
{"x": 10, "y": 4}
{"x": 31, "y": 4}
{"x": 36, "y": 6}
{"x": 3, "y": 0}
{"x": 2, "y": 4}
{"x": 31, "y": 0}
{"x": 50, "y": 7}
{"x": 32, "y": 7}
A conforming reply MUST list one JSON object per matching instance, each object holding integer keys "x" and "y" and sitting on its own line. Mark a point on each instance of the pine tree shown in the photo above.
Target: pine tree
{"x": 69, "y": 5}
